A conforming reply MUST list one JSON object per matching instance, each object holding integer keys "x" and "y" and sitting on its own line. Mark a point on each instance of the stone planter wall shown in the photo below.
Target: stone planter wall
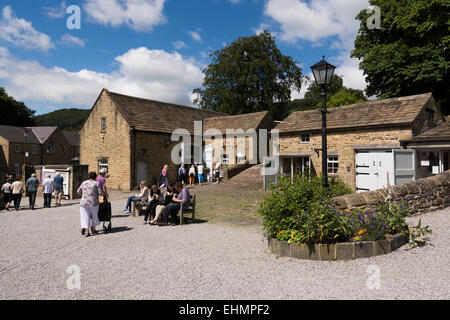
{"x": 338, "y": 251}
{"x": 424, "y": 195}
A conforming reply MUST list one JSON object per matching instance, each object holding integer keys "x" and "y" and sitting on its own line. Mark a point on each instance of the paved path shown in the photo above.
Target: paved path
{"x": 200, "y": 261}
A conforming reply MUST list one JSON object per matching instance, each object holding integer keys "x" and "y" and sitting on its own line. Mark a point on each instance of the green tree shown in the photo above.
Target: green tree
{"x": 344, "y": 97}
{"x": 313, "y": 98}
{"x": 410, "y": 53}
{"x": 65, "y": 119}
{"x": 249, "y": 75}
{"x": 14, "y": 113}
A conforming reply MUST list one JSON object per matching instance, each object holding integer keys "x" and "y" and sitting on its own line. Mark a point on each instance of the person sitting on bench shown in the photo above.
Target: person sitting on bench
{"x": 143, "y": 196}
{"x": 163, "y": 203}
{"x": 155, "y": 195}
{"x": 173, "y": 208}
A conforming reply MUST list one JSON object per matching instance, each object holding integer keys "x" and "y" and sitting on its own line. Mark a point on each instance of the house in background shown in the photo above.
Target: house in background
{"x": 73, "y": 138}
{"x": 432, "y": 149}
{"x": 131, "y": 137}
{"x": 367, "y": 146}
{"x": 33, "y": 146}
{"x": 246, "y": 146}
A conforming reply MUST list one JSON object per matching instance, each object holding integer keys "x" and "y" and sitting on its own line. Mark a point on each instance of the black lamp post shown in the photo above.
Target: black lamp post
{"x": 323, "y": 72}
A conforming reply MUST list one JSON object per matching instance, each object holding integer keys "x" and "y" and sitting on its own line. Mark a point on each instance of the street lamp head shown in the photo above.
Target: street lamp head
{"x": 323, "y": 72}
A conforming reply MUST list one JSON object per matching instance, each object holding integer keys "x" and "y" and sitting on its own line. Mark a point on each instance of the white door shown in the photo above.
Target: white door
{"x": 405, "y": 166}
{"x": 374, "y": 170}
{"x": 141, "y": 172}
{"x": 208, "y": 156}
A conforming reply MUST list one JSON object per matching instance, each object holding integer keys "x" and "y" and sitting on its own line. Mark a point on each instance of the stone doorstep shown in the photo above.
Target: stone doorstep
{"x": 338, "y": 251}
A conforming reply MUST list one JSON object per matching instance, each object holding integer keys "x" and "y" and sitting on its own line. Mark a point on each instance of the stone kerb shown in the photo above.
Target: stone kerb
{"x": 337, "y": 251}
{"x": 425, "y": 195}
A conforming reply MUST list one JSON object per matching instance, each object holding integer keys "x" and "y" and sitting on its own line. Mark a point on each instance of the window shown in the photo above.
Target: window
{"x": 17, "y": 170}
{"x": 50, "y": 148}
{"x": 63, "y": 148}
{"x": 103, "y": 164}
{"x": 225, "y": 159}
{"x": 17, "y": 147}
{"x": 305, "y": 138}
{"x": 103, "y": 124}
{"x": 333, "y": 165}
{"x": 35, "y": 149}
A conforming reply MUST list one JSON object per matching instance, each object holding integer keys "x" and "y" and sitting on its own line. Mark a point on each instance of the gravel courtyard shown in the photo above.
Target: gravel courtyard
{"x": 199, "y": 261}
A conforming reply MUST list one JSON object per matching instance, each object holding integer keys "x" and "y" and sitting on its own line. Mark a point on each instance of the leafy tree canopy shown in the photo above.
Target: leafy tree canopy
{"x": 14, "y": 113}
{"x": 65, "y": 119}
{"x": 337, "y": 95}
{"x": 249, "y": 75}
{"x": 410, "y": 53}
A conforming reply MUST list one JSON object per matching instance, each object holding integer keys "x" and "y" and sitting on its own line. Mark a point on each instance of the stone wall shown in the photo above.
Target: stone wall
{"x": 340, "y": 144}
{"x": 233, "y": 170}
{"x": 113, "y": 145}
{"x": 424, "y": 195}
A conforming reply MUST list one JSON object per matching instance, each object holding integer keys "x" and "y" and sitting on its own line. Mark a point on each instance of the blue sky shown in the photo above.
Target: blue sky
{"x": 157, "y": 48}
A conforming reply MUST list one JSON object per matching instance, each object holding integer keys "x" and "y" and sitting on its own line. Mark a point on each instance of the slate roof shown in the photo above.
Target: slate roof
{"x": 156, "y": 116}
{"x": 242, "y": 121}
{"x": 72, "y": 137}
{"x": 388, "y": 112}
{"x": 439, "y": 133}
{"x": 43, "y": 133}
{"x": 16, "y": 134}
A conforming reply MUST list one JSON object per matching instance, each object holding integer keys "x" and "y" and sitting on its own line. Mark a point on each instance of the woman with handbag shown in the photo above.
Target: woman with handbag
{"x": 90, "y": 191}
{"x": 17, "y": 190}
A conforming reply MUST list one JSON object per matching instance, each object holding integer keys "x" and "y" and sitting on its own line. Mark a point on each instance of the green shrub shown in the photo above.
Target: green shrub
{"x": 299, "y": 210}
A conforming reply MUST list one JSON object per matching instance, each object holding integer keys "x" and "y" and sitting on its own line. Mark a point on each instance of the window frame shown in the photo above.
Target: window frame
{"x": 103, "y": 125}
{"x": 103, "y": 165}
{"x": 17, "y": 148}
{"x": 305, "y": 138}
{"x": 334, "y": 165}
{"x": 35, "y": 147}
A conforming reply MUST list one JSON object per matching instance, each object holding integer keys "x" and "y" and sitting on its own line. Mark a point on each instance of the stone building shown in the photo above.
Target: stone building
{"x": 32, "y": 146}
{"x": 131, "y": 137}
{"x": 366, "y": 141}
{"x": 243, "y": 145}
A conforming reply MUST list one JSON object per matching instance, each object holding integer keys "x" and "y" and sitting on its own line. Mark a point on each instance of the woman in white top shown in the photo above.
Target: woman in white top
{"x": 17, "y": 190}
{"x": 142, "y": 196}
{"x": 6, "y": 189}
{"x": 192, "y": 175}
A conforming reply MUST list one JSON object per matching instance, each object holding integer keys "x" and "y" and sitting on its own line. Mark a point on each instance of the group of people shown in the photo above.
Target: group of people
{"x": 195, "y": 173}
{"x": 13, "y": 190}
{"x": 160, "y": 205}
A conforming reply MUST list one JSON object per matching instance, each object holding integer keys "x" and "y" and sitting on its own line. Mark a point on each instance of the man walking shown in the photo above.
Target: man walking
{"x": 32, "y": 185}
{"x": 59, "y": 189}
{"x": 48, "y": 187}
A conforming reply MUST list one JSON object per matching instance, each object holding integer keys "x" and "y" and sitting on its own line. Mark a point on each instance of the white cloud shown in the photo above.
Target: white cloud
{"x": 140, "y": 15}
{"x": 195, "y": 36}
{"x": 21, "y": 33}
{"x": 318, "y": 21}
{"x": 70, "y": 40}
{"x": 315, "y": 19}
{"x": 153, "y": 74}
{"x": 56, "y": 13}
{"x": 179, "y": 45}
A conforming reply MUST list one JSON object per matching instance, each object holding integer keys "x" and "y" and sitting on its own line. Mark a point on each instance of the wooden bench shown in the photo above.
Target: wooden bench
{"x": 139, "y": 206}
{"x": 190, "y": 210}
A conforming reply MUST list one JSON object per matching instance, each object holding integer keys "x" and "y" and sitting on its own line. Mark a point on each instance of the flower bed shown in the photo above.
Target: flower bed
{"x": 300, "y": 221}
